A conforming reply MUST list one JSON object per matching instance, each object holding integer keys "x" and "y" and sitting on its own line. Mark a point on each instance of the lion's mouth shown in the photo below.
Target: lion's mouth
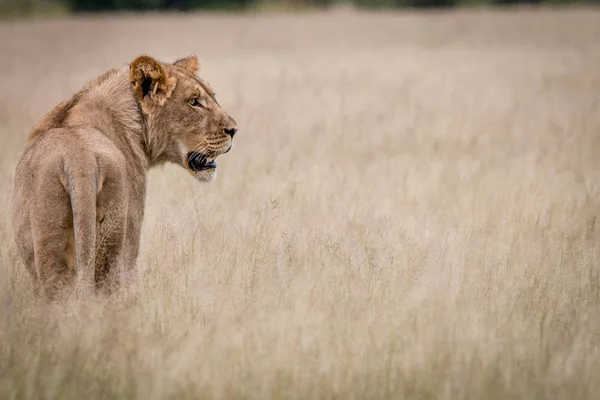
{"x": 200, "y": 162}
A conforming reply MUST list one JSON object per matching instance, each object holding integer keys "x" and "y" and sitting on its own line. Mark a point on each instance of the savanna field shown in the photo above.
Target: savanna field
{"x": 410, "y": 210}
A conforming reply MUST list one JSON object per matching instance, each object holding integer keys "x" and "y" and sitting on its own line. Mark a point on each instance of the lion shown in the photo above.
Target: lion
{"x": 80, "y": 185}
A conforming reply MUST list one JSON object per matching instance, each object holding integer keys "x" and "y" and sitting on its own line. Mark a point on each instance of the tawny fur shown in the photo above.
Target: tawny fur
{"x": 80, "y": 185}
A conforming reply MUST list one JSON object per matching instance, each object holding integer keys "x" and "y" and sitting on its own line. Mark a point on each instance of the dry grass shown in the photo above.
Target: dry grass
{"x": 410, "y": 211}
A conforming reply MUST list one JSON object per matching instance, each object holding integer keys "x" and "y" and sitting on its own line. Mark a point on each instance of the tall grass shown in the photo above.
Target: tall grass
{"x": 409, "y": 211}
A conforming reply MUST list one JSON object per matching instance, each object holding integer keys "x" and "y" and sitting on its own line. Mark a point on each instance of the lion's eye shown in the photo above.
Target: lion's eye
{"x": 194, "y": 102}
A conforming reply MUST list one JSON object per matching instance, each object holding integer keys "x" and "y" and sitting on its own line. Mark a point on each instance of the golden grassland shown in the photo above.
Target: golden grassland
{"x": 409, "y": 211}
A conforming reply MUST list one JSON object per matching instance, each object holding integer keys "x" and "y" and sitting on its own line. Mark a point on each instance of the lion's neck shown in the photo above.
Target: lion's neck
{"x": 109, "y": 104}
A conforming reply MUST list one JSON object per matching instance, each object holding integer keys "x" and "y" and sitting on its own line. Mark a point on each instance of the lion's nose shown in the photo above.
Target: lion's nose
{"x": 231, "y": 132}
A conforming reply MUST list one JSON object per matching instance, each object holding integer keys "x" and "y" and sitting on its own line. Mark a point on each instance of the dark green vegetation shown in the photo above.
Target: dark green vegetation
{"x": 28, "y": 7}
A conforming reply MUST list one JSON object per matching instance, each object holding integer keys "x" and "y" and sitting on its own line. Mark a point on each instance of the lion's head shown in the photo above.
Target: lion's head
{"x": 185, "y": 123}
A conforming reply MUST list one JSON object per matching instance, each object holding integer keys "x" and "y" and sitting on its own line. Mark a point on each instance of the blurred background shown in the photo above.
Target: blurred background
{"x": 9, "y": 8}
{"x": 410, "y": 210}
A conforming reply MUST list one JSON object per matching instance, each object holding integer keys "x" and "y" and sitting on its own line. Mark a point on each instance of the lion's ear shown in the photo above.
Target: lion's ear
{"x": 190, "y": 63}
{"x": 151, "y": 83}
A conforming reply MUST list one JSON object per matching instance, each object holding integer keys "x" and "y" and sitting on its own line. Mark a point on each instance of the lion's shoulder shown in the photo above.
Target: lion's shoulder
{"x": 60, "y": 114}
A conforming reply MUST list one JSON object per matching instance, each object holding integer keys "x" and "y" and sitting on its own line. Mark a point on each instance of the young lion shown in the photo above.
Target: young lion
{"x": 80, "y": 185}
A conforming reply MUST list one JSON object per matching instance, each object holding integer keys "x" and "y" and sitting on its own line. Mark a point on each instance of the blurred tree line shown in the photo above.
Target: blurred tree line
{"x": 43, "y": 6}
{"x": 245, "y": 4}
